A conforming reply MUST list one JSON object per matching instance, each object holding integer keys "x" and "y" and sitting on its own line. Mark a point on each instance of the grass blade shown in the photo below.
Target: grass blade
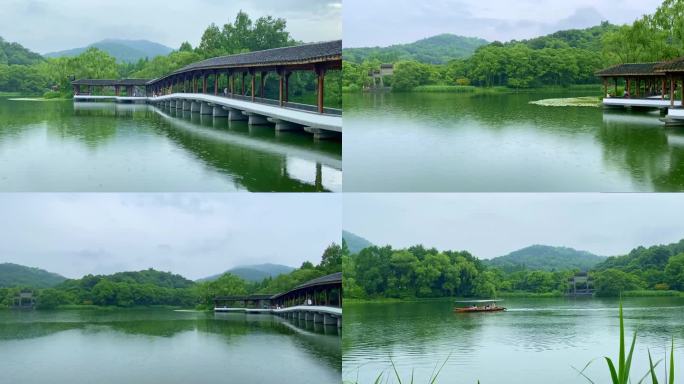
{"x": 654, "y": 378}
{"x": 672, "y": 373}
{"x": 613, "y": 373}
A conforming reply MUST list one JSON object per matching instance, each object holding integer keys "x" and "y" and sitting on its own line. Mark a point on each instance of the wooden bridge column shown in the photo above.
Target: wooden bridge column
{"x": 117, "y": 90}
{"x": 194, "y": 84}
{"x": 216, "y": 81}
{"x": 287, "y": 87}
{"x": 281, "y": 88}
{"x": 204, "y": 83}
{"x": 321, "y": 87}
{"x": 231, "y": 83}
{"x": 671, "y": 92}
{"x": 662, "y": 90}
{"x": 627, "y": 88}
{"x": 605, "y": 87}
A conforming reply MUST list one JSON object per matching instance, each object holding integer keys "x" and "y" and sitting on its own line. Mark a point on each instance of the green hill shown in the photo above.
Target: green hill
{"x": 546, "y": 258}
{"x": 15, "y": 275}
{"x": 354, "y": 242}
{"x": 151, "y": 276}
{"x": 641, "y": 259}
{"x": 255, "y": 273}
{"x": 438, "y": 49}
{"x": 16, "y": 54}
{"x": 123, "y": 50}
{"x": 587, "y": 38}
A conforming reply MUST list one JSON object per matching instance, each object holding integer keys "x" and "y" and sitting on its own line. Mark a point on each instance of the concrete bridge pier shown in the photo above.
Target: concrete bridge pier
{"x": 205, "y": 109}
{"x": 219, "y": 111}
{"x": 329, "y": 320}
{"x": 186, "y": 105}
{"x": 321, "y": 134}
{"x": 282, "y": 125}
{"x": 235, "y": 114}
{"x": 254, "y": 119}
{"x": 317, "y": 318}
{"x": 194, "y": 106}
{"x": 172, "y": 104}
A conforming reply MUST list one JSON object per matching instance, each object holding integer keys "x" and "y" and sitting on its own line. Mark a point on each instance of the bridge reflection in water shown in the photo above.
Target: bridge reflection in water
{"x": 257, "y": 158}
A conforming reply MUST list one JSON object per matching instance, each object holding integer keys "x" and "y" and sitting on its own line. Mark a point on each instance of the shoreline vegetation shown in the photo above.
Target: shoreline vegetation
{"x": 380, "y": 273}
{"x": 566, "y": 58}
{"x": 472, "y": 89}
{"x": 505, "y": 295}
{"x": 154, "y": 289}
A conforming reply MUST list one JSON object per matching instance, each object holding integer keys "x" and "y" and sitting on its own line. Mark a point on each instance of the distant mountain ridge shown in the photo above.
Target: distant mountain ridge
{"x": 438, "y": 49}
{"x": 15, "y": 275}
{"x": 123, "y": 50}
{"x": 254, "y": 273}
{"x": 547, "y": 258}
{"x": 355, "y": 243}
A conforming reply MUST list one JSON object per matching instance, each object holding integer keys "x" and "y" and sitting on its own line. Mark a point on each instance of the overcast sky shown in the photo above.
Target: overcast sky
{"x": 490, "y": 225}
{"x": 193, "y": 235}
{"x": 48, "y": 25}
{"x": 386, "y": 22}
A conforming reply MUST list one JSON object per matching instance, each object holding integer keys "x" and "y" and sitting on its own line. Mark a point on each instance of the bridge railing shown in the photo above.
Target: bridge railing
{"x": 276, "y": 103}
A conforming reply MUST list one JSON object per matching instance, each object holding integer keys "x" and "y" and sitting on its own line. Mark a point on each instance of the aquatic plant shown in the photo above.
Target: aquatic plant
{"x": 621, "y": 374}
{"x": 585, "y": 101}
{"x": 669, "y": 379}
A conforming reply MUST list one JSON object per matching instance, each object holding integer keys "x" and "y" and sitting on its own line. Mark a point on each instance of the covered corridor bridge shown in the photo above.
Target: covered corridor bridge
{"x": 130, "y": 87}
{"x": 318, "y": 58}
{"x": 234, "y": 86}
{"x": 318, "y": 300}
{"x": 649, "y": 85}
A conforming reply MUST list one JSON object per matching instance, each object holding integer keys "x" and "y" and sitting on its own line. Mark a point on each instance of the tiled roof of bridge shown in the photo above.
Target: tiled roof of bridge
{"x": 676, "y": 65}
{"x": 328, "y": 279}
{"x": 631, "y": 69}
{"x": 299, "y": 54}
{"x": 109, "y": 82}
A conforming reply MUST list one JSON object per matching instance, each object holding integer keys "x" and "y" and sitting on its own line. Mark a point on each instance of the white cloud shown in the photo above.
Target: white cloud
{"x": 46, "y": 26}
{"x": 192, "y": 234}
{"x": 386, "y": 22}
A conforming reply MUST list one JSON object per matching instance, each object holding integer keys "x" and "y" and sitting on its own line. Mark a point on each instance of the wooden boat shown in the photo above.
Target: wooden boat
{"x": 479, "y": 306}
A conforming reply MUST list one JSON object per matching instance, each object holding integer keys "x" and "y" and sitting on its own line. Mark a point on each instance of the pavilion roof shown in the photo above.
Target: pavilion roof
{"x": 631, "y": 69}
{"x": 311, "y": 53}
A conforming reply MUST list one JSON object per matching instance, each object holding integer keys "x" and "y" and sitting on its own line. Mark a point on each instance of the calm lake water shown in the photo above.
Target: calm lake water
{"x": 500, "y": 142}
{"x": 537, "y": 341}
{"x": 163, "y": 346}
{"x": 61, "y": 146}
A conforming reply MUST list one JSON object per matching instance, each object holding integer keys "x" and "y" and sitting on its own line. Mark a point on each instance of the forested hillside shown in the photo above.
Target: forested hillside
{"x": 14, "y": 275}
{"x": 354, "y": 242}
{"x": 438, "y": 49}
{"x": 562, "y": 58}
{"x": 546, "y": 258}
{"x": 150, "y": 287}
{"x": 377, "y": 272}
{"x": 128, "y": 51}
